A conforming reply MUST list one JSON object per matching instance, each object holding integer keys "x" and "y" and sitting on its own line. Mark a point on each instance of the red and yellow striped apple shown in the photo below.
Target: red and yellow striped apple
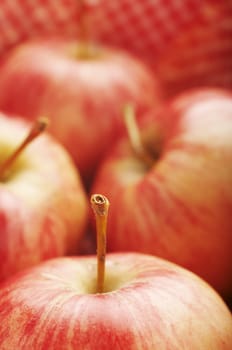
{"x": 179, "y": 205}
{"x": 81, "y": 93}
{"x": 43, "y": 209}
{"x": 147, "y": 303}
{"x": 135, "y": 301}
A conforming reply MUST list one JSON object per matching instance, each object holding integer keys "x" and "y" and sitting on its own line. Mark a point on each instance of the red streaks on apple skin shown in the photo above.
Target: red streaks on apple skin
{"x": 3, "y": 239}
{"x": 92, "y": 334}
{"x": 24, "y": 241}
{"x": 34, "y": 221}
{"x": 163, "y": 224}
{"x": 180, "y": 208}
{"x": 158, "y": 306}
{"x": 50, "y": 247}
{"x": 12, "y": 237}
{"x": 64, "y": 91}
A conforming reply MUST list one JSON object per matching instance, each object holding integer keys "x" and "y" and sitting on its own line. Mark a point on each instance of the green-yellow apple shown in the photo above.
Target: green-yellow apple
{"x": 82, "y": 94}
{"x": 43, "y": 209}
{"x": 178, "y": 203}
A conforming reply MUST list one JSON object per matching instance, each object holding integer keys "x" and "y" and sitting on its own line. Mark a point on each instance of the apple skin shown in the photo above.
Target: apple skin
{"x": 43, "y": 206}
{"x": 83, "y": 97}
{"x": 179, "y": 208}
{"x": 148, "y": 304}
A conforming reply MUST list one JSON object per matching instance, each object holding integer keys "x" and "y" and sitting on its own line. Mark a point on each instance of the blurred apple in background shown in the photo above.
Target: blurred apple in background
{"x": 147, "y": 303}
{"x": 82, "y": 93}
{"x": 43, "y": 210}
{"x": 186, "y": 42}
{"x": 177, "y": 206}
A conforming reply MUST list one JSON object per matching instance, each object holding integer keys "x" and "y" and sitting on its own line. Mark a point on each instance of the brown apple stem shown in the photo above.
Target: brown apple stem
{"x": 84, "y": 22}
{"x": 85, "y": 28}
{"x": 100, "y": 205}
{"x": 37, "y": 128}
{"x": 135, "y": 136}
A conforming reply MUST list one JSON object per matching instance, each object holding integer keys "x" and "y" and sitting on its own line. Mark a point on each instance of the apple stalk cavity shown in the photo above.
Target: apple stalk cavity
{"x": 37, "y": 128}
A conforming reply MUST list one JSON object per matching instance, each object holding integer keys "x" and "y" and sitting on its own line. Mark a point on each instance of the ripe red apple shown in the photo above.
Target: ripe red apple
{"x": 82, "y": 93}
{"x": 136, "y": 301}
{"x": 187, "y": 43}
{"x": 179, "y": 207}
{"x": 147, "y": 303}
{"x": 43, "y": 209}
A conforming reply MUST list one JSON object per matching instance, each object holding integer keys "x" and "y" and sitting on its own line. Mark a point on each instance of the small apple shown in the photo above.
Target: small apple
{"x": 81, "y": 91}
{"x": 142, "y": 302}
{"x": 176, "y": 202}
{"x": 43, "y": 208}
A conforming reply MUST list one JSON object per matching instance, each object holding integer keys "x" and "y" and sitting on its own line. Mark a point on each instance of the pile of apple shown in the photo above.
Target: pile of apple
{"x": 165, "y": 168}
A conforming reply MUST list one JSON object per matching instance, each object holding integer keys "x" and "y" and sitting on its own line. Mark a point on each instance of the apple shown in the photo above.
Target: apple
{"x": 81, "y": 91}
{"x": 177, "y": 203}
{"x": 138, "y": 302}
{"x": 186, "y": 43}
{"x": 148, "y": 303}
{"x": 43, "y": 207}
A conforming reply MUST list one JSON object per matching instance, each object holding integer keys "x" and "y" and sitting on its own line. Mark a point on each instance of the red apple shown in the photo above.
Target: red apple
{"x": 136, "y": 301}
{"x": 179, "y": 207}
{"x": 43, "y": 209}
{"x": 147, "y": 303}
{"x": 186, "y": 42}
{"x": 82, "y": 95}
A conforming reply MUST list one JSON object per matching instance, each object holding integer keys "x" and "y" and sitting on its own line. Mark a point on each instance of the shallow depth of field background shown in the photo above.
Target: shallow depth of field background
{"x": 186, "y": 42}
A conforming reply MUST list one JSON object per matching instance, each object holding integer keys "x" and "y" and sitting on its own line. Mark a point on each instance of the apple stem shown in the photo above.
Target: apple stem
{"x": 85, "y": 27}
{"x": 37, "y": 128}
{"x": 135, "y": 136}
{"x": 100, "y": 205}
